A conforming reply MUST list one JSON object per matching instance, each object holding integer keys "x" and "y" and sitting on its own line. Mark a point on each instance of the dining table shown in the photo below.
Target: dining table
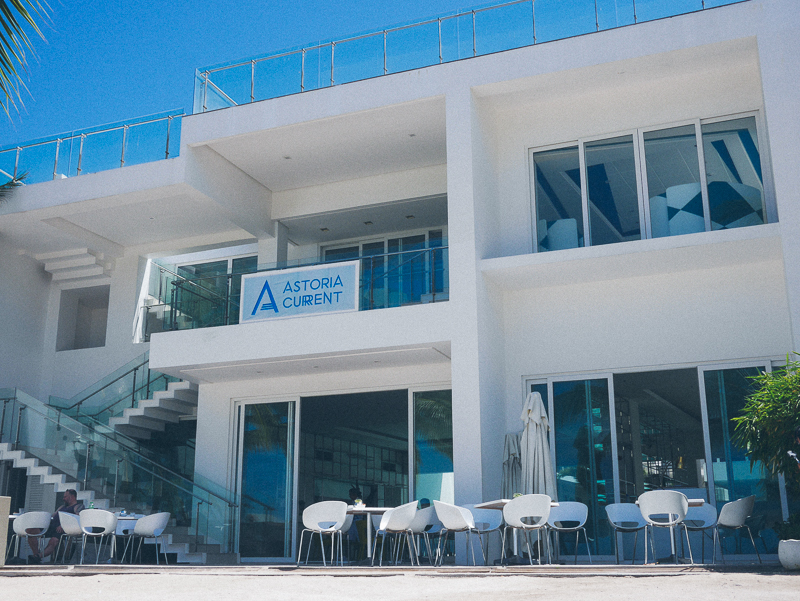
{"x": 369, "y": 512}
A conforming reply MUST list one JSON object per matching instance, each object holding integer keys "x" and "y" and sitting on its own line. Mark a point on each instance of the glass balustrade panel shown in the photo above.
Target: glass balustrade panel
{"x": 555, "y": 19}
{"x": 614, "y": 13}
{"x": 357, "y": 59}
{"x": 457, "y": 38}
{"x": 146, "y": 142}
{"x": 232, "y": 84}
{"x": 8, "y": 161}
{"x": 317, "y": 67}
{"x": 38, "y": 162}
{"x": 279, "y": 76}
{"x": 503, "y": 28}
{"x": 101, "y": 151}
{"x": 412, "y": 47}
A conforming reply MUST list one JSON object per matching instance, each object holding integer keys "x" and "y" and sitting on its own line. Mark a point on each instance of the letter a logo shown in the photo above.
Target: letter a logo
{"x": 266, "y": 306}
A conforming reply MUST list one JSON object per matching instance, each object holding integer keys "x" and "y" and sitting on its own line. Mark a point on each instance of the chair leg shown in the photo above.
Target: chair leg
{"x": 753, "y": 542}
{"x": 588, "y": 550}
{"x": 688, "y": 543}
{"x": 635, "y": 545}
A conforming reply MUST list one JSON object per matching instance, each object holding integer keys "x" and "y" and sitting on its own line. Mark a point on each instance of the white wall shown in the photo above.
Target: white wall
{"x": 24, "y": 297}
{"x": 684, "y": 318}
{"x": 65, "y": 373}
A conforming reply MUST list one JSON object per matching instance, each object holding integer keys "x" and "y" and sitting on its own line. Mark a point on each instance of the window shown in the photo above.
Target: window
{"x": 82, "y": 318}
{"x": 649, "y": 183}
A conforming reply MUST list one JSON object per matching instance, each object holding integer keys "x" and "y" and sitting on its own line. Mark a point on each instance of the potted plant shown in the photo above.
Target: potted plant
{"x": 768, "y": 428}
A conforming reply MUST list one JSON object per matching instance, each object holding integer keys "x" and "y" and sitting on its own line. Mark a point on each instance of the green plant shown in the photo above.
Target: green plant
{"x": 766, "y": 429}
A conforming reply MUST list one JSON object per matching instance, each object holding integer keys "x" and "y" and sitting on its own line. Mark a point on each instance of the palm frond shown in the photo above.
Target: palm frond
{"x": 15, "y": 16}
{"x": 14, "y": 182}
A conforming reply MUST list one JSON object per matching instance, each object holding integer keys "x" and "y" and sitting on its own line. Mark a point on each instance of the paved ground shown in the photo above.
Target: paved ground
{"x": 560, "y": 583}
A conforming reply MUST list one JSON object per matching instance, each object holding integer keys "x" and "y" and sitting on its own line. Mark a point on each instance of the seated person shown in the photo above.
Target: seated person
{"x": 71, "y": 505}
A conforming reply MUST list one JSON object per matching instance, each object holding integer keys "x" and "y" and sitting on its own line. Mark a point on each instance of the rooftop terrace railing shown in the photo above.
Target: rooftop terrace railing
{"x": 100, "y": 148}
{"x": 451, "y": 37}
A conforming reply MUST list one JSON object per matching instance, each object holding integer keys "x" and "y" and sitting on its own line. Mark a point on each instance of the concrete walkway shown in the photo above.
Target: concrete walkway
{"x": 257, "y": 583}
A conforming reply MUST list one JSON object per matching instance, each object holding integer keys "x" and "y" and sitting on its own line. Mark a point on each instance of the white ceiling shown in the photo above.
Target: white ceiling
{"x": 384, "y": 140}
{"x": 312, "y": 365}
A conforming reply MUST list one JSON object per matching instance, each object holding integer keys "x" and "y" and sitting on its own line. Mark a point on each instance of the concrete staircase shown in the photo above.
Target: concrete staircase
{"x": 152, "y": 415}
{"x": 189, "y": 549}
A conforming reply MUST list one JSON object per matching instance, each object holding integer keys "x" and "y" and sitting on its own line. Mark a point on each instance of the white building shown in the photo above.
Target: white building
{"x": 612, "y": 219}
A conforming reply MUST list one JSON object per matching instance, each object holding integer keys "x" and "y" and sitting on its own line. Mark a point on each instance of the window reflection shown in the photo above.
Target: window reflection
{"x": 557, "y": 185}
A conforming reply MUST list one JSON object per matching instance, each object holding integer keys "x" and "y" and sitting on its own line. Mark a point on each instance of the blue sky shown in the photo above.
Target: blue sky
{"x": 111, "y": 60}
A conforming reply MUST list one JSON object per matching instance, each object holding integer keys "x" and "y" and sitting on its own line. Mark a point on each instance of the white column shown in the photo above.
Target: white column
{"x": 779, "y": 51}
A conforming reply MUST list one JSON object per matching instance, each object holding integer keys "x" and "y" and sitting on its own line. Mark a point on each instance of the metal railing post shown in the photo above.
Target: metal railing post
{"x": 303, "y": 70}
{"x": 133, "y": 388}
{"x": 169, "y": 126}
{"x": 124, "y": 139}
{"x": 55, "y": 163}
{"x": 80, "y": 154}
{"x": 333, "y": 48}
{"x": 596, "y": 17}
{"x": 252, "y": 81}
{"x": 533, "y": 19}
{"x": 197, "y": 527}
{"x": 16, "y": 161}
{"x": 205, "y": 91}
{"x": 89, "y": 446}
{"x": 440, "y": 40}
{"x": 116, "y": 482}
{"x": 431, "y": 263}
{"x": 384, "y": 53}
{"x": 19, "y": 423}
{"x": 474, "y": 40}
{"x": 634, "y": 11}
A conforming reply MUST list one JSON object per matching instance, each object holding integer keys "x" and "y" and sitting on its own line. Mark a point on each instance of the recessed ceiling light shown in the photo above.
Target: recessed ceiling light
{"x": 367, "y": 223}
{"x": 324, "y": 229}
{"x": 409, "y": 217}
{"x": 287, "y": 157}
{"x": 411, "y": 135}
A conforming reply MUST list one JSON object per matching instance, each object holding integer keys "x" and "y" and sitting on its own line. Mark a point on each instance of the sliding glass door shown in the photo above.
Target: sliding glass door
{"x": 266, "y": 434}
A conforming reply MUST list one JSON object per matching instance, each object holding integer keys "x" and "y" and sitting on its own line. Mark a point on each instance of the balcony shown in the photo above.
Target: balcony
{"x": 393, "y": 279}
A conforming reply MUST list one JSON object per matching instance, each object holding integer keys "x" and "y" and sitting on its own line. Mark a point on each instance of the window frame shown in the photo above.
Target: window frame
{"x": 640, "y": 161}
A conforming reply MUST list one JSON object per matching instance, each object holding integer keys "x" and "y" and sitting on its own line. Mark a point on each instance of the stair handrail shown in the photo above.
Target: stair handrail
{"x": 145, "y": 359}
{"x": 59, "y": 423}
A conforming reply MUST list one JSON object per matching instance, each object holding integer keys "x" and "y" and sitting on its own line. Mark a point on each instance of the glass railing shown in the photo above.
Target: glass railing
{"x": 476, "y": 32}
{"x": 117, "y": 391}
{"x": 388, "y": 280}
{"x": 100, "y": 148}
{"x": 115, "y": 472}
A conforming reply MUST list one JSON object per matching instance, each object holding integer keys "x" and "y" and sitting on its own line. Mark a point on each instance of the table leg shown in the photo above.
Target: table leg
{"x": 369, "y": 536}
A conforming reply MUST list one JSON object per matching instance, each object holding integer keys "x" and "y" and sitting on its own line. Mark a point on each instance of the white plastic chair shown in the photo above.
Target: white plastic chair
{"x": 71, "y": 526}
{"x": 325, "y": 517}
{"x": 626, "y": 518}
{"x": 106, "y": 523}
{"x": 151, "y": 526}
{"x": 486, "y": 522}
{"x": 456, "y": 519}
{"x": 535, "y": 510}
{"x": 732, "y": 516}
{"x": 422, "y": 522}
{"x": 664, "y": 509}
{"x": 32, "y": 520}
{"x": 397, "y": 521}
{"x": 700, "y": 519}
{"x": 570, "y": 516}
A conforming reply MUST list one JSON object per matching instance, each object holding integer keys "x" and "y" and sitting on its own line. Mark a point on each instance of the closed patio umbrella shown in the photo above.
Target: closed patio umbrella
{"x": 512, "y": 468}
{"x": 537, "y": 468}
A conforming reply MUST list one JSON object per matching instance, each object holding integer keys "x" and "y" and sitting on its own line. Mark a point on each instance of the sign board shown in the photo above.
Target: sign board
{"x": 302, "y": 291}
